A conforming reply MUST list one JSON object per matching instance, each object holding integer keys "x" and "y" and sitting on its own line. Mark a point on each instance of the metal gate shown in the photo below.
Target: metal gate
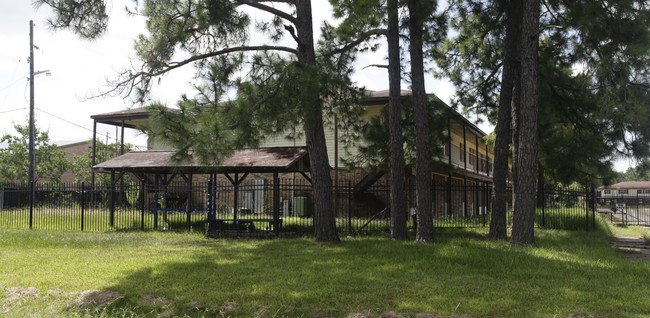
{"x": 624, "y": 209}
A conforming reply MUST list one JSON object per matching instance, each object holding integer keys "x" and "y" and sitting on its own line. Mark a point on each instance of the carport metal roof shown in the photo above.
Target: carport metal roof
{"x": 131, "y": 118}
{"x": 259, "y": 160}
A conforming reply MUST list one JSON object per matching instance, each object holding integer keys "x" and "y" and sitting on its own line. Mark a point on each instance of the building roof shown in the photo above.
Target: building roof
{"x": 628, "y": 185}
{"x": 376, "y": 97}
{"x": 260, "y": 160}
{"x": 131, "y": 118}
{"x": 134, "y": 117}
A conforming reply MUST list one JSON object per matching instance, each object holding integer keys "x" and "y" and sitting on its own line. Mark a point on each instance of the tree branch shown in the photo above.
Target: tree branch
{"x": 266, "y": 97}
{"x": 376, "y": 65}
{"x": 363, "y": 37}
{"x": 258, "y": 5}
{"x": 173, "y": 65}
{"x": 130, "y": 80}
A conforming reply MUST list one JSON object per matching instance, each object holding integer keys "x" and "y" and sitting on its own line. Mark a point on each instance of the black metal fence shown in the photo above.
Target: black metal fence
{"x": 626, "y": 209}
{"x": 260, "y": 207}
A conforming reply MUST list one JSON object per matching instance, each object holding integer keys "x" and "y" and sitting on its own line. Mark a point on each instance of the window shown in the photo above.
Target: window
{"x": 622, "y": 191}
{"x": 646, "y": 191}
{"x": 607, "y": 191}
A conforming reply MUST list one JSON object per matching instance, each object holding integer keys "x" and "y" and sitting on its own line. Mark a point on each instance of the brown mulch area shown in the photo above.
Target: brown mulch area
{"x": 633, "y": 248}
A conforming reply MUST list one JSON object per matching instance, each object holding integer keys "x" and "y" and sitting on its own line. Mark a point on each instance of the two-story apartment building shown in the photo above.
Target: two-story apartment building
{"x": 634, "y": 192}
{"x": 466, "y": 157}
{"x": 470, "y": 156}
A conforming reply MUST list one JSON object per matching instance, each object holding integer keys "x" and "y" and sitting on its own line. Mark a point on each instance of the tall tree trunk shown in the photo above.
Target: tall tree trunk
{"x": 523, "y": 221}
{"x": 516, "y": 106}
{"x": 510, "y": 66}
{"x": 324, "y": 219}
{"x": 398, "y": 229}
{"x": 422, "y": 132}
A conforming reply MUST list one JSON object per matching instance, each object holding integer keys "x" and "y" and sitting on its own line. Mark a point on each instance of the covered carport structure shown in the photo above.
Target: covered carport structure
{"x": 157, "y": 168}
{"x": 134, "y": 118}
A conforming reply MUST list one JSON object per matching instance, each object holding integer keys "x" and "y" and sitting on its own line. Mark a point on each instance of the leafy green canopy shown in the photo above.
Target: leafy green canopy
{"x": 244, "y": 90}
{"x": 374, "y": 143}
{"x": 594, "y": 82}
{"x": 51, "y": 162}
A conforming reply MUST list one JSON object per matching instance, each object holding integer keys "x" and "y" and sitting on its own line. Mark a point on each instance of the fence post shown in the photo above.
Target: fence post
{"x": 349, "y": 206}
{"x": 31, "y": 204}
{"x": 587, "y": 209}
{"x": 276, "y": 203}
{"x": 592, "y": 204}
{"x": 111, "y": 201}
{"x": 155, "y": 204}
{"x": 188, "y": 208}
{"x": 83, "y": 203}
{"x": 142, "y": 203}
{"x": 211, "y": 210}
{"x": 484, "y": 192}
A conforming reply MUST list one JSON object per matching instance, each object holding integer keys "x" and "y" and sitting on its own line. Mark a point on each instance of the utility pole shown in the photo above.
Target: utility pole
{"x": 32, "y": 153}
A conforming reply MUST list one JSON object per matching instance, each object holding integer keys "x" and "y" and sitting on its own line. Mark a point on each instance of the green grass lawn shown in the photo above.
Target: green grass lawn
{"x": 461, "y": 274}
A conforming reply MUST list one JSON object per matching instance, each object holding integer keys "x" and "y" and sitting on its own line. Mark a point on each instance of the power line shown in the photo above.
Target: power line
{"x": 82, "y": 127}
{"x": 11, "y": 84}
{"x": 65, "y": 120}
{"x": 12, "y": 110}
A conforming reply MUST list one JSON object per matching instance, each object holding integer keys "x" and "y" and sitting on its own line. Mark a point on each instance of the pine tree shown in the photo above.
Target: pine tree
{"x": 502, "y": 130}
{"x": 417, "y": 14}
{"x": 523, "y": 217}
{"x": 214, "y": 36}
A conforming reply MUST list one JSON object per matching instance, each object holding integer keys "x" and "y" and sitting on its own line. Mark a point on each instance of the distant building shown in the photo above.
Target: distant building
{"x": 627, "y": 188}
{"x": 72, "y": 150}
{"x": 628, "y": 192}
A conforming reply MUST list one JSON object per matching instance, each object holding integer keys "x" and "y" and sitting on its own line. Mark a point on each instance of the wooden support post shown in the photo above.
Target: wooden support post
{"x": 122, "y": 139}
{"x": 236, "y": 198}
{"x": 92, "y": 172}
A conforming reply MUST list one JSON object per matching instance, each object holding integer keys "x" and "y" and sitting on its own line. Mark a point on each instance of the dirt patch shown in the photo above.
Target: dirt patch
{"x": 153, "y": 301}
{"x": 15, "y": 295}
{"x": 228, "y": 306}
{"x": 361, "y": 314}
{"x": 166, "y": 314}
{"x": 195, "y": 305}
{"x": 56, "y": 293}
{"x": 633, "y": 248}
{"x": 97, "y": 298}
{"x": 262, "y": 313}
{"x": 392, "y": 314}
{"x": 426, "y": 315}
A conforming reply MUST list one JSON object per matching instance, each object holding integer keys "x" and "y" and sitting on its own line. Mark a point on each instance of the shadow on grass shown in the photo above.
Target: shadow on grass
{"x": 463, "y": 273}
